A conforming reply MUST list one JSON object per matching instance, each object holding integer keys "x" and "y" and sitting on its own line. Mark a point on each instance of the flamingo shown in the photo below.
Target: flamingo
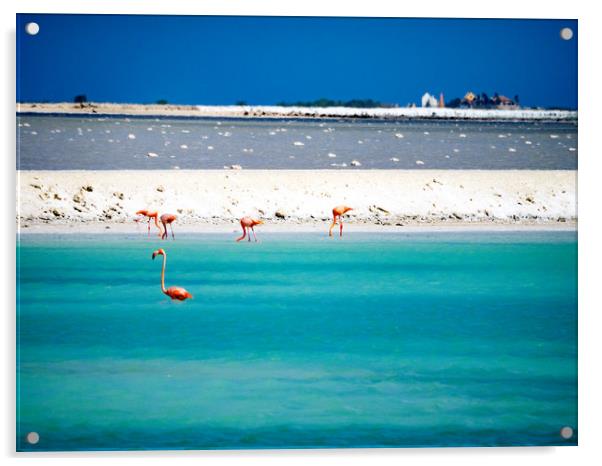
{"x": 174, "y": 292}
{"x": 338, "y": 211}
{"x": 150, "y": 214}
{"x": 248, "y": 222}
{"x": 167, "y": 219}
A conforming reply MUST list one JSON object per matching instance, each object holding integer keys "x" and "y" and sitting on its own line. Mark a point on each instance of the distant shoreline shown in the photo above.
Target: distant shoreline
{"x": 237, "y": 111}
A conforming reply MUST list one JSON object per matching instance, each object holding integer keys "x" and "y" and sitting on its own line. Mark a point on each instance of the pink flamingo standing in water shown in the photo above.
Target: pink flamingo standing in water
{"x": 338, "y": 212}
{"x": 167, "y": 219}
{"x": 150, "y": 214}
{"x": 174, "y": 292}
{"x": 248, "y": 222}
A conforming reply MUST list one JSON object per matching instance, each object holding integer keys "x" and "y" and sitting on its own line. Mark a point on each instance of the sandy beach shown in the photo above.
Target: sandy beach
{"x": 294, "y": 200}
{"x": 265, "y": 111}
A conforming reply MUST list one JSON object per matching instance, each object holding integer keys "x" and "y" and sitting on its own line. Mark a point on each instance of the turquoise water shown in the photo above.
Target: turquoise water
{"x": 298, "y": 341}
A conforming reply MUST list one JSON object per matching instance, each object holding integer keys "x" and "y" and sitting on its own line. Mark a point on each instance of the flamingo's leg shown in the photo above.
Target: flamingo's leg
{"x": 341, "y": 228}
{"x": 244, "y": 233}
{"x": 253, "y": 230}
{"x": 334, "y": 222}
{"x": 172, "y": 235}
{"x": 149, "y": 227}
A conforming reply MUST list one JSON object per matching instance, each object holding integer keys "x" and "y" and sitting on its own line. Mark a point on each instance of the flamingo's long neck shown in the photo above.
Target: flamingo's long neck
{"x": 163, "y": 274}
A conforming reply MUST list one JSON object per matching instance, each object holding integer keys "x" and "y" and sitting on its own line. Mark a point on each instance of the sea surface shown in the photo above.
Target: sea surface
{"x": 117, "y": 143}
{"x": 373, "y": 340}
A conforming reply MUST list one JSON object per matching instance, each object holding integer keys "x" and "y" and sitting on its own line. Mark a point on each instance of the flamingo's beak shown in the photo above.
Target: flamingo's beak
{"x": 154, "y": 254}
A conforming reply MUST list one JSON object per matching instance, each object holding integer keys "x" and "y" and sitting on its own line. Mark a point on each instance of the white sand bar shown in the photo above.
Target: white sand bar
{"x": 292, "y": 112}
{"x": 385, "y": 198}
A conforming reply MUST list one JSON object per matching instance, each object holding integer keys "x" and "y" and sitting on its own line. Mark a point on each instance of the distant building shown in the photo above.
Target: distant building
{"x": 428, "y": 100}
{"x": 469, "y": 98}
{"x": 504, "y": 102}
{"x": 441, "y": 100}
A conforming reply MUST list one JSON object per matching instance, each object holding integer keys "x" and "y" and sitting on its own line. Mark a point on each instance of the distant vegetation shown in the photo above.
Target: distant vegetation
{"x": 80, "y": 99}
{"x": 482, "y": 100}
{"x": 162, "y": 102}
{"x": 323, "y": 102}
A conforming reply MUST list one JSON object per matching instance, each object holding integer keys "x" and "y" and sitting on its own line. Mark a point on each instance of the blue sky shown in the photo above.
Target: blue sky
{"x": 263, "y": 60}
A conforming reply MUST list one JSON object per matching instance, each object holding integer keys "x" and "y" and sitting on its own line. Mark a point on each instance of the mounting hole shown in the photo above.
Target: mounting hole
{"x": 32, "y": 28}
{"x": 566, "y": 432}
{"x": 566, "y": 33}
{"x": 33, "y": 438}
